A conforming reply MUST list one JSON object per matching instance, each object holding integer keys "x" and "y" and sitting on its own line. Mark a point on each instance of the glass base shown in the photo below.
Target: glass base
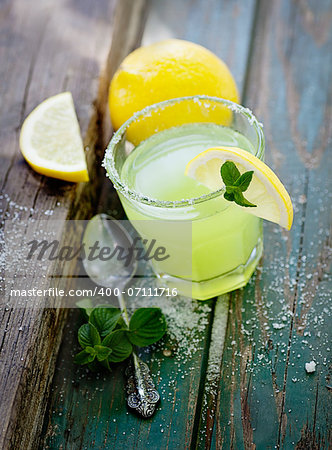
{"x": 203, "y": 290}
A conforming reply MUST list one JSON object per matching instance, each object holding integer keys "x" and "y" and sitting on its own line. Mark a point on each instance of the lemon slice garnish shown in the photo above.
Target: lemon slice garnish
{"x": 51, "y": 142}
{"x": 265, "y": 190}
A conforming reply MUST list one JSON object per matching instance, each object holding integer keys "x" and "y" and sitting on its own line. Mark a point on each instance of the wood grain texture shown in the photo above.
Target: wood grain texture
{"x": 40, "y": 58}
{"x": 206, "y": 22}
{"x": 84, "y": 418}
{"x": 89, "y": 410}
{"x": 282, "y": 319}
{"x": 264, "y": 398}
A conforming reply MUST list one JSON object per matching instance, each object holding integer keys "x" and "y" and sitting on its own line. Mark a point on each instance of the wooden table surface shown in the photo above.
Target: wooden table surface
{"x": 253, "y": 392}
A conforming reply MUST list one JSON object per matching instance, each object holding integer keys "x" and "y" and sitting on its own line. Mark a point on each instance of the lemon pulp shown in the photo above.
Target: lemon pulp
{"x": 265, "y": 190}
{"x": 51, "y": 142}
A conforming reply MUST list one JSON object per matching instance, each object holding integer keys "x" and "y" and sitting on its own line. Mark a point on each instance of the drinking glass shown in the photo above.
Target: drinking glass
{"x": 226, "y": 241}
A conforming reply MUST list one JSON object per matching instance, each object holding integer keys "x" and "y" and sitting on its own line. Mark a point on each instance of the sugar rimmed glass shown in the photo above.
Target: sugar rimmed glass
{"x": 226, "y": 241}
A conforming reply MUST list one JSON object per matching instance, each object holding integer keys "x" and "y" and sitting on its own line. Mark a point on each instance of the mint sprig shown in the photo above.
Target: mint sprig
{"x": 236, "y": 184}
{"x": 106, "y": 338}
{"x": 104, "y": 319}
{"x": 146, "y": 326}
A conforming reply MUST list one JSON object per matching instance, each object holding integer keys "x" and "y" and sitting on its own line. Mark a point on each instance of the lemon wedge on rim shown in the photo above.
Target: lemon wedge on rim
{"x": 51, "y": 142}
{"x": 265, "y": 190}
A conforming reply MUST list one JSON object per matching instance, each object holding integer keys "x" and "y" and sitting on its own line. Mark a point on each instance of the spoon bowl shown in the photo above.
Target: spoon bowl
{"x": 104, "y": 237}
{"x": 109, "y": 269}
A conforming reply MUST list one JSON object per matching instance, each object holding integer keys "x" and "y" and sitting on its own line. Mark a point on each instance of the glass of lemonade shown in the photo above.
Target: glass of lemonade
{"x": 146, "y": 161}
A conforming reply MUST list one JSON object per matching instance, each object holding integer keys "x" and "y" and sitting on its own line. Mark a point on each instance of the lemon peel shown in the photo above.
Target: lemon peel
{"x": 50, "y": 140}
{"x": 265, "y": 190}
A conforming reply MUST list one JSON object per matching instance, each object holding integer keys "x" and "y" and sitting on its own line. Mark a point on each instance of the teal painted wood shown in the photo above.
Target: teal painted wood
{"x": 88, "y": 411}
{"x": 223, "y": 26}
{"x": 282, "y": 319}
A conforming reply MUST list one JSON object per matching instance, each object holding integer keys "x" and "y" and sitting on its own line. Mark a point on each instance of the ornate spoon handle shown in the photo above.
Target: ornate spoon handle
{"x": 142, "y": 395}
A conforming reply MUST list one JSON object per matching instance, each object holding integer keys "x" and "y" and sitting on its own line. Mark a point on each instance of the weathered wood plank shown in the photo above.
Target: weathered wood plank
{"x": 89, "y": 410}
{"x": 46, "y": 48}
{"x": 223, "y": 27}
{"x": 100, "y": 420}
{"x": 282, "y": 319}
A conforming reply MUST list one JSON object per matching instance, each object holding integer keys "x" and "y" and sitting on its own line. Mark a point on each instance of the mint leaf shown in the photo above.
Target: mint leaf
{"x": 86, "y": 306}
{"x": 231, "y": 189}
{"x": 105, "y": 319}
{"x": 84, "y": 357}
{"x": 236, "y": 183}
{"x": 106, "y": 364}
{"x": 91, "y": 350}
{"x": 146, "y": 326}
{"x": 121, "y": 324}
{"x": 102, "y": 352}
{"x": 88, "y": 335}
{"x": 118, "y": 342}
{"x": 244, "y": 180}
{"x": 229, "y": 196}
{"x": 94, "y": 366}
{"x": 240, "y": 200}
{"x": 229, "y": 173}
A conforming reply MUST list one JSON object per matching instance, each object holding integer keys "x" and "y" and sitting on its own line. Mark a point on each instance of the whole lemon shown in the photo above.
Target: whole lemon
{"x": 168, "y": 69}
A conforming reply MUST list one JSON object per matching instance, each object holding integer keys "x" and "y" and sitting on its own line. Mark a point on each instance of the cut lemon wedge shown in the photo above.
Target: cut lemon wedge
{"x": 51, "y": 142}
{"x": 265, "y": 190}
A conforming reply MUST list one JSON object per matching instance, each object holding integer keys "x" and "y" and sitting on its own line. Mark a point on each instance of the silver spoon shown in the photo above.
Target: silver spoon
{"x": 142, "y": 395}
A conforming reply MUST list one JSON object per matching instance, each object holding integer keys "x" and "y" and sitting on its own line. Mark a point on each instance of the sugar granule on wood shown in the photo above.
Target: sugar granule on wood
{"x": 310, "y": 367}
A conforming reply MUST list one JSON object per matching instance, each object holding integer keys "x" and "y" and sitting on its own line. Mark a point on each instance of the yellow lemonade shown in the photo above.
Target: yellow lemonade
{"x": 226, "y": 241}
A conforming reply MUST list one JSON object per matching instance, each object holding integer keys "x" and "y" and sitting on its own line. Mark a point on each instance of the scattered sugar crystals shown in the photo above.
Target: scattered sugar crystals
{"x": 15, "y": 211}
{"x": 217, "y": 344}
{"x": 186, "y": 319}
{"x": 310, "y": 367}
{"x": 262, "y": 324}
{"x": 278, "y": 326}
